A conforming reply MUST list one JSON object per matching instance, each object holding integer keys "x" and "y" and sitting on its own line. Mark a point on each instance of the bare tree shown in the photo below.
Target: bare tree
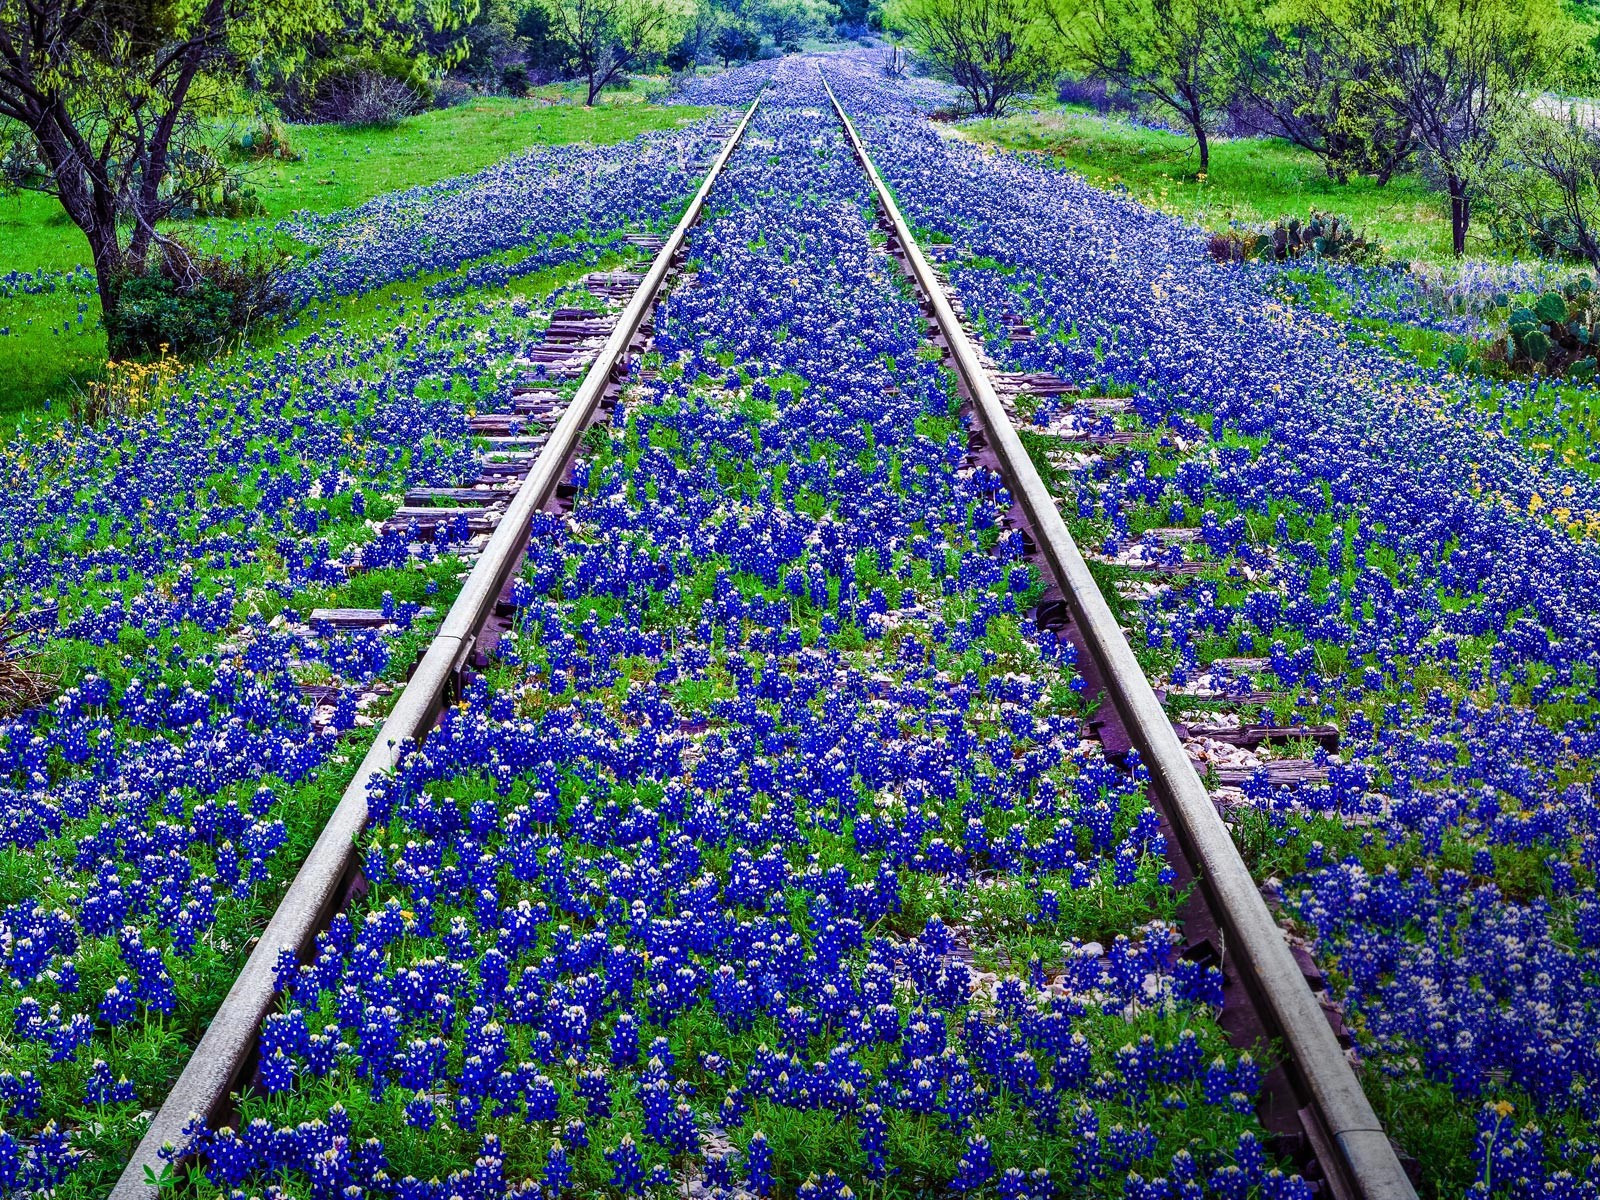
{"x": 606, "y": 37}
{"x": 992, "y": 49}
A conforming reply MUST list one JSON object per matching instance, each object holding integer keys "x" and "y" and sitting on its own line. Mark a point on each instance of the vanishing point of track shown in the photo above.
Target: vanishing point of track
{"x": 1314, "y": 1103}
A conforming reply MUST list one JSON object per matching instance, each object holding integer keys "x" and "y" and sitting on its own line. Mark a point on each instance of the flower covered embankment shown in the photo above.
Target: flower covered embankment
{"x": 769, "y": 856}
{"x": 1304, "y": 530}
{"x": 167, "y": 562}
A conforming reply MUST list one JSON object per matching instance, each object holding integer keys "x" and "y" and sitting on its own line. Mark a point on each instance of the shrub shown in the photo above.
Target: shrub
{"x": 1554, "y": 333}
{"x": 268, "y": 139}
{"x": 192, "y": 304}
{"x": 514, "y": 78}
{"x": 452, "y": 93}
{"x": 1089, "y": 91}
{"x": 1320, "y": 235}
{"x": 356, "y": 89}
{"x": 366, "y": 99}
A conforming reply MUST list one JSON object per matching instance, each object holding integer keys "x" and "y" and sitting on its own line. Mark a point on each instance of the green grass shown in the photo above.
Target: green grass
{"x": 39, "y": 361}
{"x": 1251, "y": 179}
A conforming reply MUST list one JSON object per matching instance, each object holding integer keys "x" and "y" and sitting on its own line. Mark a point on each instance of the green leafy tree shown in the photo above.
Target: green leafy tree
{"x": 735, "y": 40}
{"x": 1304, "y": 79}
{"x": 992, "y": 49}
{"x": 1178, "y": 55}
{"x": 546, "y": 57}
{"x": 110, "y": 92}
{"x": 1545, "y": 183}
{"x": 1458, "y": 73}
{"x": 604, "y": 38}
{"x": 790, "y": 22}
{"x": 703, "y": 22}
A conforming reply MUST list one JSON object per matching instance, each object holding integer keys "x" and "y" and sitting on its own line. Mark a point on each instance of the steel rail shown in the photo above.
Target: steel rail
{"x": 215, "y": 1065}
{"x": 1363, "y": 1156}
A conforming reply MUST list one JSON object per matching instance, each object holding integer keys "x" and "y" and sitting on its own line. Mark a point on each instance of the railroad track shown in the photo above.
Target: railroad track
{"x": 1315, "y": 1103}
{"x": 535, "y": 465}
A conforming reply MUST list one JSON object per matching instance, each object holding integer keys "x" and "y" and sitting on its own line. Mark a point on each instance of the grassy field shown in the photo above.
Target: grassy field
{"x": 1251, "y": 179}
{"x": 52, "y": 343}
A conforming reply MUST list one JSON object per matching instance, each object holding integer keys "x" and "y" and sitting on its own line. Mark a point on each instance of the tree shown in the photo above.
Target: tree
{"x": 545, "y": 55}
{"x": 790, "y": 22}
{"x": 109, "y": 93}
{"x": 1180, "y": 55}
{"x": 1458, "y": 72}
{"x": 1547, "y": 181}
{"x": 1302, "y": 79}
{"x": 735, "y": 41}
{"x": 699, "y": 28}
{"x": 606, "y": 37}
{"x": 992, "y": 49}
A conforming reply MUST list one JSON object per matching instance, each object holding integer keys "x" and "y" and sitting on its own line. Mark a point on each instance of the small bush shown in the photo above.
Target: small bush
{"x": 1320, "y": 235}
{"x": 1089, "y": 92}
{"x": 1554, "y": 333}
{"x": 368, "y": 100}
{"x": 514, "y": 78}
{"x": 192, "y": 304}
{"x": 269, "y": 139}
{"x": 452, "y": 93}
{"x": 356, "y": 89}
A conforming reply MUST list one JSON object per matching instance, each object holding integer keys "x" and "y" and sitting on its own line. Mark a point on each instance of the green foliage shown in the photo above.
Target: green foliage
{"x": 736, "y": 41}
{"x": 604, "y": 38}
{"x": 540, "y": 47}
{"x": 1544, "y": 187}
{"x": 1179, "y": 55}
{"x": 52, "y": 354}
{"x": 1306, "y": 76}
{"x": 191, "y": 304}
{"x": 789, "y": 22}
{"x": 1459, "y": 74}
{"x": 1554, "y": 333}
{"x": 993, "y": 50}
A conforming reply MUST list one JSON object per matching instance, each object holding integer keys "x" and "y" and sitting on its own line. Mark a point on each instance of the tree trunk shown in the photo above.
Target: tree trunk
{"x": 594, "y": 89}
{"x": 1205, "y": 146}
{"x": 1460, "y": 213}
{"x": 92, "y": 208}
